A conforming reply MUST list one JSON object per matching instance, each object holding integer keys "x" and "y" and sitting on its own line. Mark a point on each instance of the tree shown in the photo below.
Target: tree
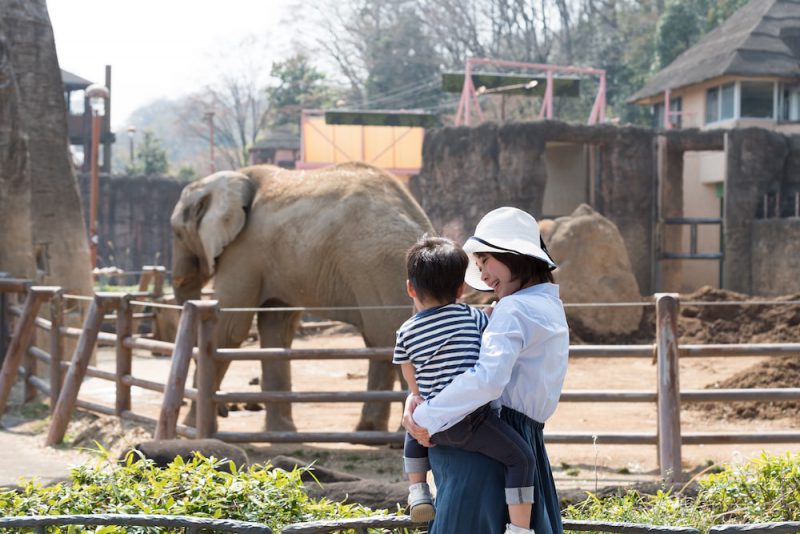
{"x": 151, "y": 157}
{"x": 384, "y": 50}
{"x": 678, "y": 29}
{"x": 239, "y": 104}
{"x": 300, "y": 87}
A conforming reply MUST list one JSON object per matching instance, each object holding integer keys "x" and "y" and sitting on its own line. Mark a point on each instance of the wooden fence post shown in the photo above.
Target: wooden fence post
{"x": 124, "y": 354}
{"x": 56, "y": 347}
{"x": 30, "y": 367}
{"x": 21, "y": 340}
{"x": 669, "y": 392}
{"x": 206, "y": 368}
{"x": 179, "y": 371}
{"x": 77, "y": 367}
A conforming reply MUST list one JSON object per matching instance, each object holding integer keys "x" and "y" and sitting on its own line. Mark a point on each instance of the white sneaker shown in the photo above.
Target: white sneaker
{"x": 420, "y": 503}
{"x": 513, "y": 529}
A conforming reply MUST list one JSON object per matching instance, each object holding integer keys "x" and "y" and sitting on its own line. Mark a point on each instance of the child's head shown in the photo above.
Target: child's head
{"x": 512, "y": 237}
{"x": 436, "y": 267}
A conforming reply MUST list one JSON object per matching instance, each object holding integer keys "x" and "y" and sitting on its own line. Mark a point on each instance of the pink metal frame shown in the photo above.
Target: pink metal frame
{"x": 469, "y": 96}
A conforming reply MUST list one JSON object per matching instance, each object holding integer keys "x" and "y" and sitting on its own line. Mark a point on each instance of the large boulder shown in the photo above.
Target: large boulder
{"x": 593, "y": 267}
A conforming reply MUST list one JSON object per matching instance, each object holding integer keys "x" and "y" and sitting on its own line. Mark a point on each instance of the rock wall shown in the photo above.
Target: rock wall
{"x": 759, "y": 162}
{"x": 133, "y": 220}
{"x": 468, "y": 171}
{"x": 775, "y": 259}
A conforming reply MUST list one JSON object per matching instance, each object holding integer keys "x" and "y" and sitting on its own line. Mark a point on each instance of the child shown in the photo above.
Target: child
{"x": 523, "y": 361}
{"x": 438, "y": 343}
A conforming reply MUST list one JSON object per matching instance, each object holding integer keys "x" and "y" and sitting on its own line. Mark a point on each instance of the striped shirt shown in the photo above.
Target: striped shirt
{"x": 441, "y": 343}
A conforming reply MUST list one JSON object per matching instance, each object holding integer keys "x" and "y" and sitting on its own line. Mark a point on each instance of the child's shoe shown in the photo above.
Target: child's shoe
{"x": 513, "y": 529}
{"x": 420, "y": 503}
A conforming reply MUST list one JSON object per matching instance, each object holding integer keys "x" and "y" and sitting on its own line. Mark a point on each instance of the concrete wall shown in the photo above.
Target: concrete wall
{"x": 468, "y": 171}
{"x": 775, "y": 260}
{"x": 133, "y": 220}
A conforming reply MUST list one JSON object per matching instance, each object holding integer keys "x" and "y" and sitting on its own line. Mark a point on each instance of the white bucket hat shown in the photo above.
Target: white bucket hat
{"x": 504, "y": 230}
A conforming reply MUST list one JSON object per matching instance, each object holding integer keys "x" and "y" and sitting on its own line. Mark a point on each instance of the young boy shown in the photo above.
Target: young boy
{"x": 441, "y": 341}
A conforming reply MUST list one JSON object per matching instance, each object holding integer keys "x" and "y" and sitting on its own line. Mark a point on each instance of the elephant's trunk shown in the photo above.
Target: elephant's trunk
{"x": 188, "y": 277}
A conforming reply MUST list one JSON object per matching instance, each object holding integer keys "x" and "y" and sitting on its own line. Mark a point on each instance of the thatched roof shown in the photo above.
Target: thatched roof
{"x": 276, "y": 139}
{"x": 762, "y": 38}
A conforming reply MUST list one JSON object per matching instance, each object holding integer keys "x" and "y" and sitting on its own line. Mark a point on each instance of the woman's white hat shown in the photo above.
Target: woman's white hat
{"x": 504, "y": 230}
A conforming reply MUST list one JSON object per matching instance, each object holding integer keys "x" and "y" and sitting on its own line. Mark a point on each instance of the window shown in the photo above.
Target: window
{"x": 675, "y": 107}
{"x": 757, "y": 100}
{"x": 727, "y": 101}
{"x": 712, "y": 105}
{"x": 790, "y": 103}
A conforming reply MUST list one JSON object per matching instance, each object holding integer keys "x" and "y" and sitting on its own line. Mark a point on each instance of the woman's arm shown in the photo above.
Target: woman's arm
{"x": 501, "y": 344}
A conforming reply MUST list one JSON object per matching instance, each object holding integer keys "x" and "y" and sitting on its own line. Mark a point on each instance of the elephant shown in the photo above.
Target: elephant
{"x": 273, "y": 237}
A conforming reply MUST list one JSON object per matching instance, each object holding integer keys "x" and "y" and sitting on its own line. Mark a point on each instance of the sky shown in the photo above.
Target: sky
{"x": 165, "y": 48}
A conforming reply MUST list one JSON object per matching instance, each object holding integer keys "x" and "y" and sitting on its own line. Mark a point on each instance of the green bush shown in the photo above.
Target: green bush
{"x": 761, "y": 490}
{"x": 260, "y": 494}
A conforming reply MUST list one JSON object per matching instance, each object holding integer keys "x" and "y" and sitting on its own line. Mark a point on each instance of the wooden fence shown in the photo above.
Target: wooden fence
{"x": 195, "y": 340}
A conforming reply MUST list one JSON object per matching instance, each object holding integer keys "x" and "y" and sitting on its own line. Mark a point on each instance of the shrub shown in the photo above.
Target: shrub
{"x": 196, "y": 488}
{"x": 762, "y": 490}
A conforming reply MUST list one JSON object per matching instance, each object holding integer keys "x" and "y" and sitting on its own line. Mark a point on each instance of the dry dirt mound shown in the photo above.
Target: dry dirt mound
{"x": 739, "y": 321}
{"x": 722, "y": 316}
{"x": 781, "y": 372}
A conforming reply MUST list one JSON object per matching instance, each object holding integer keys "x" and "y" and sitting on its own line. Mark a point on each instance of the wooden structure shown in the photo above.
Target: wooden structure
{"x": 195, "y": 340}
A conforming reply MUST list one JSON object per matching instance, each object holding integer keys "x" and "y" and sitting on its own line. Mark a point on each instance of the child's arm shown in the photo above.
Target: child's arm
{"x": 408, "y": 373}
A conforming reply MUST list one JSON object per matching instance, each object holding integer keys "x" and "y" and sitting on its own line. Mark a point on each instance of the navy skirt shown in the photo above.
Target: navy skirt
{"x": 470, "y": 493}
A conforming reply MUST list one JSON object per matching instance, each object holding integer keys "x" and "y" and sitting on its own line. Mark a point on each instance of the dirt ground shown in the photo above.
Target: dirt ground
{"x": 586, "y": 467}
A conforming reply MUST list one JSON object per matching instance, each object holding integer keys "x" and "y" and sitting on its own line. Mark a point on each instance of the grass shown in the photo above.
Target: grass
{"x": 765, "y": 489}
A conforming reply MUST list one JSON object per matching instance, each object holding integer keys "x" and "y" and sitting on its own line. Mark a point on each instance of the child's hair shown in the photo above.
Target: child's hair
{"x": 436, "y": 267}
{"x": 524, "y": 268}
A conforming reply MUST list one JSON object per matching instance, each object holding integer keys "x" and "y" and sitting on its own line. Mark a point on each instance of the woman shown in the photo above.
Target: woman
{"x": 523, "y": 362}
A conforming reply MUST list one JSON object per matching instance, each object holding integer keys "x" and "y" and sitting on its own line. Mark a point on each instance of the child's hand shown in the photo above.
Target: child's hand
{"x": 419, "y": 433}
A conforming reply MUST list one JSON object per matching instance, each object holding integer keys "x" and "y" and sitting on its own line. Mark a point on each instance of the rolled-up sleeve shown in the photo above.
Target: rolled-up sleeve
{"x": 501, "y": 344}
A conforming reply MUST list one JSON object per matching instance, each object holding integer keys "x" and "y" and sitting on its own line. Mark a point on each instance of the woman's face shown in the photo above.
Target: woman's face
{"x": 496, "y": 275}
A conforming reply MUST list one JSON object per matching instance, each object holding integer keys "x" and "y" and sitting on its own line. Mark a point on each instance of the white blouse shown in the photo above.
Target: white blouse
{"x": 523, "y": 362}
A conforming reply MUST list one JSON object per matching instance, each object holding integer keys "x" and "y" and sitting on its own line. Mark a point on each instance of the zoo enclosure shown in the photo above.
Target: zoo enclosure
{"x": 195, "y": 340}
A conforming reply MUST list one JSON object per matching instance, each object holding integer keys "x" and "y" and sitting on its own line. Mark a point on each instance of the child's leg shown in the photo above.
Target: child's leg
{"x": 415, "y": 460}
{"x": 482, "y": 431}
{"x": 415, "y": 465}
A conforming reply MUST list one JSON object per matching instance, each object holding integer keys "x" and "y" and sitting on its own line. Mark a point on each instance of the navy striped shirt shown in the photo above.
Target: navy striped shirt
{"x": 441, "y": 343}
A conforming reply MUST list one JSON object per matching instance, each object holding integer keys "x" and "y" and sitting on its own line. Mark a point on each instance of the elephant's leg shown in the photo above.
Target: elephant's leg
{"x": 231, "y": 331}
{"x": 220, "y": 369}
{"x": 277, "y": 329}
{"x": 381, "y": 374}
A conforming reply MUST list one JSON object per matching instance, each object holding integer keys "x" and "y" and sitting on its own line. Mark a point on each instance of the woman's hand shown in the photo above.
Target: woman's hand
{"x": 419, "y": 433}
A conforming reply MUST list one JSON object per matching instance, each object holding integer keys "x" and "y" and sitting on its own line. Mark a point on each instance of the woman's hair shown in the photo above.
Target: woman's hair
{"x": 524, "y": 268}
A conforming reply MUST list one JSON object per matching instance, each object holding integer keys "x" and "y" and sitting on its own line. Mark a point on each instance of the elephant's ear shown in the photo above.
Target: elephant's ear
{"x": 215, "y": 209}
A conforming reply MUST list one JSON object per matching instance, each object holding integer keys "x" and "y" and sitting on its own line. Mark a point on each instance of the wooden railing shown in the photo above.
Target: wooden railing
{"x": 195, "y": 339}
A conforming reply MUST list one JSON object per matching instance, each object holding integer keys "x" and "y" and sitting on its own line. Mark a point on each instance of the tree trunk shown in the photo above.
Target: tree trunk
{"x": 59, "y": 239}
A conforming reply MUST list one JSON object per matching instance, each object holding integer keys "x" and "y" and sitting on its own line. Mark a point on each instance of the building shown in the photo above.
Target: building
{"x": 79, "y": 120}
{"x": 744, "y": 73}
{"x": 278, "y": 147}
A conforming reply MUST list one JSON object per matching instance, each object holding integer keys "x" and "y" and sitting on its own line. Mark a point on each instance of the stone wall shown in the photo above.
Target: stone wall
{"x": 775, "y": 259}
{"x": 468, "y": 171}
{"x": 759, "y": 162}
{"x": 133, "y": 220}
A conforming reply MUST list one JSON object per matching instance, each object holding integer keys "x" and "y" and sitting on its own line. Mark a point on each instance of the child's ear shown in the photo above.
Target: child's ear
{"x": 410, "y": 290}
{"x": 460, "y": 291}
